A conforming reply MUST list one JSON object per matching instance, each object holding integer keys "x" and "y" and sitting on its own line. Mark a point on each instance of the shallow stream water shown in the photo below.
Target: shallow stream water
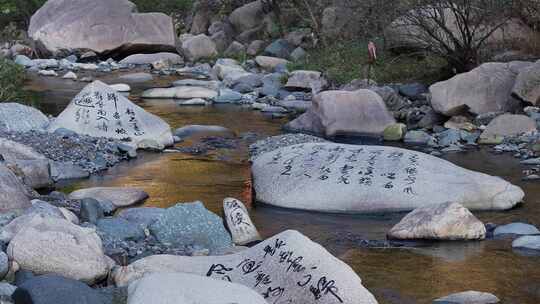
{"x": 395, "y": 275}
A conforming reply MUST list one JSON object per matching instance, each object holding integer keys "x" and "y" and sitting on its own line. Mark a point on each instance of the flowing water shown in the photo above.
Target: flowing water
{"x": 395, "y": 275}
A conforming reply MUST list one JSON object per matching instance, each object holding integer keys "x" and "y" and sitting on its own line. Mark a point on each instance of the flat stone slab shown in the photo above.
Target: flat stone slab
{"x": 531, "y": 242}
{"x": 330, "y": 177}
{"x": 516, "y": 229}
{"x": 287, "y": 268}
{"x": 468, "y": 297}
{"x": 119, "y": 196}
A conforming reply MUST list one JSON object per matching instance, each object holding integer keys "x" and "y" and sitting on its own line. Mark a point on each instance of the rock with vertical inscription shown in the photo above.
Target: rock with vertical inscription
{"x": 162, "y": 288}
{"x": 100, "y": 111}
{"x": 242, "y": 229}
{"x": 287, "y": 268}
{"x": 340, "y": 178}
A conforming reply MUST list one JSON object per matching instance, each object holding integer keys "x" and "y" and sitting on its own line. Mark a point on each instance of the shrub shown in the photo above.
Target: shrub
{"x": 11, "y": 81}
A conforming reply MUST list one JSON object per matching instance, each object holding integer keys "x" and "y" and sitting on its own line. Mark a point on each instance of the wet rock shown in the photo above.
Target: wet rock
{"x": 485, "y": 89}
{"x": 96, "y": 100}
{"x": 198, "y": 130}
{"x": 417, "y": 137}
{"x": 310, "y": 80}
{"x": 528, "y": 242}
{"x": 59, "y": 28}
{"x": 239, "y": 223}
{"x": 136, "y": 77}
{"x": 382, "y": 186}
{"x": 447, "y": 221}
{"x": 91, "y": 210}
{"x": 71, "y": 251}
{"x": 334, "y": 113}
{"x": 395, "y": 132}
{"x": 508, "y": 125}
{"x": 16, "y": 117}
{"x": 209, "y": 84}
{"x": 270, "y": 63}
{"x": 227, "y": 96}
{"x": 6, "y": 290}
{"x": 527, "y": 85}
{"x": 468, "y": 297}
{"x": 143, "y": 217}
{"x": 119, "y": 228}
{"x": 49, "y": 288}
{"x": 198, "y": 47}
{"x": 163, "y": 288}
{"x": 191, "y": 224}
{"x": 516, "y": 229}
{"x": 120, "y": 87}
{"x": 187, "y": 92}
{"x": 66, "y": 171}
{"x": 13, "y": 195}
{"x": 316, "y": 266}
{"x": 119, "y": 196}
{"x": 139, "y": 59}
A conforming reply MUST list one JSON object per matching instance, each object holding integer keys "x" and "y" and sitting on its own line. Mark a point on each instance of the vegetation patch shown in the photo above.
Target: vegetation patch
{"x": 12, "y": 77}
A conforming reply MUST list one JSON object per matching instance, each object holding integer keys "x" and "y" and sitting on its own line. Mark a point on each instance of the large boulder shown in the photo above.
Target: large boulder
{"x": 138, "y": 59}
{"x": 35, "y": 168}
{"x": 247, "y": 17}
{"x": 508, "y": 125}
{"x": 162, "y": 288}
{"x": 365, "y": 179}
{"x": 13, "y": 195}
{"x": 119, "y": 196}
{"x": 56, "y": 246}
{"x": 447, "y": 221}
{"x": 287, "y": 268}
{"x": 361, "y": 112}
{"x": 308, "y": 80}
{"x": 191, "y": 224}
{"x": 101, "y": 26}
{"x": 527, "y": 86}
{"x": 16, "y": 117}
{"x": 485, "y": 89}
{"x": 198, "y": 47}
{"x": 100, "y": 111}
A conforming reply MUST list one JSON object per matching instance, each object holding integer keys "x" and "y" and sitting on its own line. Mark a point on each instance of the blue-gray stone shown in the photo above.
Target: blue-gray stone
{"x": 530, "y": 242}
{"x": 191, "y": 224}
{"x": 228, "y": 96}
{"x": 143, "y": 216}
{"x": 279, "y": 48}
{"x": 24, "y": 61}
{"x": 120, "y": 229}
{"x": 49, "y": 289}
{"x": 449, "y": 137}
{"x": 4, "y": 264}
{"x": 91, "y": 210}
{"x": 272, "y": 84}
{"x": 413, "y": 91}
{"x": 516, "y": 229}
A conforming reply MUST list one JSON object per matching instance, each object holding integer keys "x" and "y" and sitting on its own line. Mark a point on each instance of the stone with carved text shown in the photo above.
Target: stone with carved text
{"x": 242, "y": 229}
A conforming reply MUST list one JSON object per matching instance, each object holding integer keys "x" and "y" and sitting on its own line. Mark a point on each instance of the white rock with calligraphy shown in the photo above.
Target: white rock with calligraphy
{"x": 242, "y": 229}
{"x": 287, "y": 268}
{"x": 366, "y": 179}
{"x": 100, "y": 111}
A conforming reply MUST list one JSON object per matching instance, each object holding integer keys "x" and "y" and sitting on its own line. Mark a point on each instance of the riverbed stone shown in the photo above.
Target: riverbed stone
{"x": 247, "y": 16}
{"x": 70, "y": 75}
{"x": 508, "y": 125}
{"x": 15, "y": 117}
{"x": 50, "y": 288}
{"x": 530, "y": 242}
{"x": 516, "y": 229}
{"x": 191, "y": 224}
{"x": 468, "y": 297}
{"x": 361, "y": 112}
{"x": 162, "y": 288}
{"x": 395, "y": 132}
{"x": 119, "y": 196}
{"x": 100, "y": 111}
{"x": 487, "y": 88}
{"x": 209, "y": 84}
{"x": 417, "y": 137}
{"x": 139, "y": 59}
{"x": 227, "y": 96}
{"x": 91, "y": 210}
{"x": 143, "y": 216}
{"x": 527, "y": 85}
{"x": 101, "y": 26}
{"x": 136, "y": 77}
{"x": 447, "y": 221}
{"x": 119, "y": 228}
{"x": 13, "y": 195}
{"x": 197, "y": 130}
{"x": 242, "y": 229}
{"x": 198, "y": 47}
{"x": 120, "y": 87}
{"x": 365, "y": 179}
{"x": 187, "y": 92}
{"x": 4, "y": 264}
{"x": 280, "y": 48}
{"x": 71, "y": 251}
{"x": 317, "y": 266}
{"x": 307, "y": 80}
{"x": 66, "y": 171}
{"x": 193, "y": 102}
{"x": 270, "y": 63}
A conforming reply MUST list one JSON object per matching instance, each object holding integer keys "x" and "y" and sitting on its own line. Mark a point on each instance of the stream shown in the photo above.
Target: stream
{"x": 394, "y": 275}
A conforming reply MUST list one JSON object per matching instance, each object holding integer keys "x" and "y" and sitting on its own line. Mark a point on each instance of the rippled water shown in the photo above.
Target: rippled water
{"x": 394, "y": 275}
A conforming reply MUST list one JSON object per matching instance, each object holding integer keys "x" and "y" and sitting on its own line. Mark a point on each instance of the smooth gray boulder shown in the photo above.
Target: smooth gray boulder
{"x": 270, "y": 63}
{"x": 139, "y": 59}
{"x": 248, "y": 16}
{"x": 340, "y": 178}
{"x": 287, "y": 268}
{"x": 239, "y": 223}
{"x": 198, "y": 47}
{"x": 119, "y": 196}
{"x": 447, "y": 221}
{"x": 468, "y": 297}
{"x": 530, "y": 242}
{"x": 516, "y": 229}
{"x": 15, "y": 117}
{"x": 527, "y": 86}
{"x": 162, "y": 288}
{"x": 508, "y": 125}
{"x": 143, "y": 216}
{"x": 487, "y": 88}
{"x": 313, "y": 81}
{"x": 101, "y": 26}
{"x": 191, "y": 224}
{"x": 35, "y": 168}
{"x": 100, "y": 111}
{"x": 13, "y": 194}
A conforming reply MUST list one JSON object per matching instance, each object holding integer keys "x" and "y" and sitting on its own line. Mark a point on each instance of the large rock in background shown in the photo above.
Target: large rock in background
{"x": 287, "y": 268}
{"x": 16, "y": 117}
{"x": 162, "y": 288}
{"x": 361, "y": 112}
{"x": 35, "y": 167}
{"x": 100, "y": 111}
{"x": 118, "y": 196}
{"x": 508, "y": 125}
{"x": 198, "y": 47}
{"x": 13, "y": 195}
{"x": 248, "y": 16}
{"x": 527, "y": 86}
{"x": 101, "y": 26}
{"x": 366, "y": 179}
{"x": 487, "y": 88}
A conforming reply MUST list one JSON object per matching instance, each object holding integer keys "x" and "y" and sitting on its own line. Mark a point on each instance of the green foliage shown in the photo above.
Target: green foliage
{"x": 11, "y": 81}
{"x": 18, "y": 11}
{"x": 345, "y": 61}
{"x": 163, "y": 6}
